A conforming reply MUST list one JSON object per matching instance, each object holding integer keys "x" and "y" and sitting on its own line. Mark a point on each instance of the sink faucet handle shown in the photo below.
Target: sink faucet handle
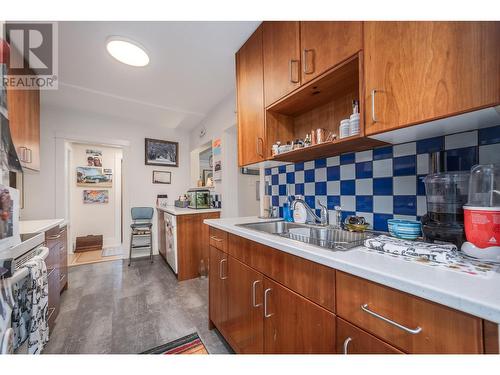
{"x": 337, "y": 208}
{"x": 320, "y": 204}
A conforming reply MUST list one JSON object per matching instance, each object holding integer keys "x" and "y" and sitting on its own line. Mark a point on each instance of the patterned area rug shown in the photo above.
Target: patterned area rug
{"x": 190, "y": 344}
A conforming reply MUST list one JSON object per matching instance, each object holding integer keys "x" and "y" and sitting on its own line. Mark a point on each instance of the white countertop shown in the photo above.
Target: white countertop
{"x": 187, "y": 211}
{"x": 37, "y": 226}
{"x": 475, "y": 295}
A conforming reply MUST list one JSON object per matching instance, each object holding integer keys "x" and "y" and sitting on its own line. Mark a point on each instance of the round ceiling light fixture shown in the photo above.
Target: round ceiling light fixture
{"x": 127, "y": 51}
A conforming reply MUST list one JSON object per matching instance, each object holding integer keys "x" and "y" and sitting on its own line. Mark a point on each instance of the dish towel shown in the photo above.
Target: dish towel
{"x": 30, "y": 315}
{"x": 6, "y": 306}
{"x": 440, "y": 253}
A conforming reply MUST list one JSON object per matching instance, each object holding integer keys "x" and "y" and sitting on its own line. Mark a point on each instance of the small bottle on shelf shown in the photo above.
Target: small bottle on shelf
{"x": 354, "y": 119}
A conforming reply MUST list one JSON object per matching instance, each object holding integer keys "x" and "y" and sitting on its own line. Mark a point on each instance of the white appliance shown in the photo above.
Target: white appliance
{"x": 171, "y": 239}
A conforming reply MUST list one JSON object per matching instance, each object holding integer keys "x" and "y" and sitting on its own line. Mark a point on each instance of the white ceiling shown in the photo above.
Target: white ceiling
{"x": 191, "y": 70}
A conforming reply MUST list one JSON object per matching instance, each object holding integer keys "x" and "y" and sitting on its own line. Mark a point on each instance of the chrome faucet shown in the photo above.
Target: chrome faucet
{"x": 323, "y": 219}
{"x": 338, "y": 217}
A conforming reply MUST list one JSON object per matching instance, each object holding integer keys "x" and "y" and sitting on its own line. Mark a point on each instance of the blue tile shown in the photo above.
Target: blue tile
{"x": 320, "y": 188}
{"x": 348, "y": 187}
{"x": 282, "y": 169}
{"x": 382, "y": 153}
{"x": 299, "y": 189}
{"x": 364, "y": 203}
{"x": 320, "y": 163}
{"x": 318, "y": 212}
{"x": 380, "y": 221}
{"x": 333, "y": 173}
{"x": 420, "y": 185}
{"x": 347, "y": 158}
{"x": 309, "y": 175}
{"x": 274, "y": 179}
{"x": 311, "y": 201}
{"x": 282, "y": 189}
{"x": 268, "y": 171}
{"x": 299, "y": 166}
{"x": 489, "y": 136}
{"x": 382, "y": 186}
{"x": 290, "y": 178}
{"x": 461, "y": 159}
{"x": 344, "y": 214}
{"x": 269, "y": 190}
{"x": 281, "y": 211}
{"x": 275, "y": 200}
{"x": 405, "y": 205}
{"x": 332, "y": 201}
{"x": 430, "y": 145}
{"x": 364, "y": 169}
{"x": 405, "y": 165}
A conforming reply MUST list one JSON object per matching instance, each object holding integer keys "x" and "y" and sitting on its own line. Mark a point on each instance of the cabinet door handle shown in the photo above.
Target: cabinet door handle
{"x": 221, "y": 267}
{"x": 346, "y": 345}
{"x": 29, "y": 159}
{"x": 374, "y": 118}
{"x": 413, "y": 331}
{"x": 55, "y": 237}
{"x": 260, "y": 146}
{"x": 305, "y": 53}
{"x": 266, "y": 315}
{"x": 22, "y": 154}
{"x": 290, "y": 70}
{"x": 216, "y": 239}
{"x": 254, "y": 304}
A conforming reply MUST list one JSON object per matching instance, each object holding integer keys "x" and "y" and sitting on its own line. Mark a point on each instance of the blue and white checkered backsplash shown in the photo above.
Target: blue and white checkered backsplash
{"x": 383, "y": 183}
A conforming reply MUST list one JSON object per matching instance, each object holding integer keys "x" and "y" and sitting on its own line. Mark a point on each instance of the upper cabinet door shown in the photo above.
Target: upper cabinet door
{"x": 325, "y": 44}
{"x": 420, "y": 71}
{"x": 281, "y": 59}
{"x": 250, "y": 99}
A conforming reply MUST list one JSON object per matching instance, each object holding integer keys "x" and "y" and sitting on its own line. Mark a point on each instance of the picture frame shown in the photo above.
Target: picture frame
{"x": 92, "y": 177}
{"x": 161, "y": 153}
{"x": 95, "y": 196}
{"x": 207, "y": 173}
{"x": 162, "y": 177}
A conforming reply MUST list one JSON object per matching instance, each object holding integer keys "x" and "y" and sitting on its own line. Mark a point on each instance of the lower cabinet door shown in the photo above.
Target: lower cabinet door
{"x": 352, "y": 340}
{"x": 293, "y": 324}
{"x": 245, "y": 324}
{"x": 218, "y": 288}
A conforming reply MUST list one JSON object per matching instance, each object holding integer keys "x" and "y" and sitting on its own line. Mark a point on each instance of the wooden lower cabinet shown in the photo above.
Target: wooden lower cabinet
{"x": 218, "y": 295}
{"x": 295, "y": 325}
{"x": 353, "y": 340}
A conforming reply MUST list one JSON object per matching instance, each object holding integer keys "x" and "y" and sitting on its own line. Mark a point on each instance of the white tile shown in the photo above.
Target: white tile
{"x": 274, "y": 170}
{"x": 368, "y": 218}
{"x": 489, "y": 154}
{"x": 405, "y": 185}
{"x": 333, "y": 188}
{"x": 460, "y": 140}
{"x": 421, "y": 205}
{"x": 422, "y": 163}
{"x": 404, "y": 149}
{"x": 309, "y": 165}
{"x": 382, "y": 204}
{"x": 299, "y": 177}
{"x": 267, "y": 178}
{"x": 322, "y": 199}
{"x": 382, "y": 168}
{"x": 274, "y": 190}
{"x": 364, "y": 186}
{"x": 320, "y": 175}
{"x": 364, "y": 156}
{"x": 348, "y": 172}
{"x": 405, "y": 217}
{"x": 309, "y": 188}
{"x": 291, "y": 189}
{"x": 348, "y": 203}
{"x": 290, "y": 167}
{"x": 282, "y": 178}
{"x": 333, "y": 161}
{"x": 282, "y": 199}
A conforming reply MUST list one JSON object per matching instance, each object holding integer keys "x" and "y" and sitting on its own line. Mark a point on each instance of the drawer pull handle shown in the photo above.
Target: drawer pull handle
{"x": 221, "y": 268}
{"x": 254, "y": 304}
{"x": 215, "y": 238}
{"x": 346, "y": 345}
{"x": 406, "y": 329}
{"x": 55, "y": 237}
{"x": 266, "y": 315}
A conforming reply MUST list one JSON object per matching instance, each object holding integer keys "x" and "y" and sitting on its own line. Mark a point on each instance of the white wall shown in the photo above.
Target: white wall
{"x": 45, "y": 191}
{"x": 97, "y": 219}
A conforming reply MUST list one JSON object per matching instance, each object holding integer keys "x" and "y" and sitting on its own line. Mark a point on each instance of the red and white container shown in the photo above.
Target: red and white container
{"x": 482, "y": 213}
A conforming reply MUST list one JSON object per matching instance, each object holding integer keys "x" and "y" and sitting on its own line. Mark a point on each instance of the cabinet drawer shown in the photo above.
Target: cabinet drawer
{"x": 218, "y": 239}
{"x": 352, "y": 340}
{"x": 409, "y": 323}
{"x": 311, "y": 280}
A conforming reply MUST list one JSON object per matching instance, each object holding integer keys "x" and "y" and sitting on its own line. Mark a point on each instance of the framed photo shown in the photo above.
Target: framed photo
{"x": 95, "y": 196}
{"x": 94, "y": 158}
{"x": 207, "y": 173}
{"x": 162, "y": 177}
{"x": 164, "y": 153}
{"x": 92, "y": 176}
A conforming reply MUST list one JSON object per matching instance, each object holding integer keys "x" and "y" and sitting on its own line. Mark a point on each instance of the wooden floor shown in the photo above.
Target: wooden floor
{"x": 89, "y": 257}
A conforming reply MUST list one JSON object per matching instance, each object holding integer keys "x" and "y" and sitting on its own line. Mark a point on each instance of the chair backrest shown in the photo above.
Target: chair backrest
{"x": 142, "y": 213}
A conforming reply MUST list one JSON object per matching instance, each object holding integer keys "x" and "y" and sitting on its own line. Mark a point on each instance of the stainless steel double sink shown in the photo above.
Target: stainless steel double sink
{"x": 324, "y": 237}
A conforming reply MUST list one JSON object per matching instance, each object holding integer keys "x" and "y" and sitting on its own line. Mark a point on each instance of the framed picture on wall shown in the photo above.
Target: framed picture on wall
{"x": 95, "y": 196}
{"x": 162, "y": 177}
{"x": 92, "y": 176}
{"x": 164, "y": 153}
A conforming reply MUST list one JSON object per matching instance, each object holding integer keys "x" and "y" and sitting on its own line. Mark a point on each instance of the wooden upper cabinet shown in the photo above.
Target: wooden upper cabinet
{"x": 250, "y": 100}
{"x": 281, "y": 46}
{"x": 422, "y": 71}
{"x": 325, "y": 44}
{"x": 24, "y": 123}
